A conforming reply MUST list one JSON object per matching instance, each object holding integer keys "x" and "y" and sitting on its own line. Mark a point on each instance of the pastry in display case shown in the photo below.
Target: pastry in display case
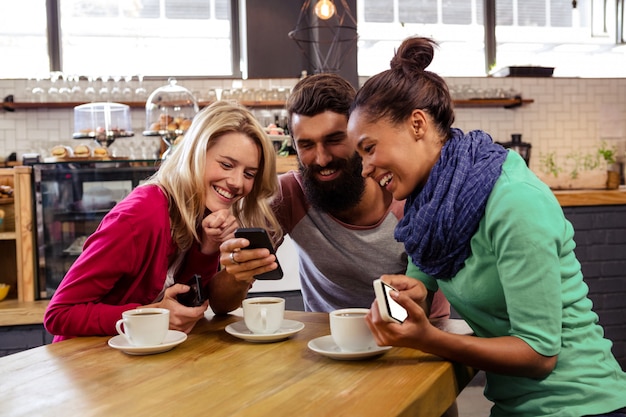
{"x": 102, "y": 122}
{"x": 169, "y": 112}
{"x": 70, "y": 200}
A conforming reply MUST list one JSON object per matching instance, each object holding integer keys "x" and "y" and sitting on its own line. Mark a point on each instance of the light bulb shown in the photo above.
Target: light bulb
{"x": 325, "y": 9}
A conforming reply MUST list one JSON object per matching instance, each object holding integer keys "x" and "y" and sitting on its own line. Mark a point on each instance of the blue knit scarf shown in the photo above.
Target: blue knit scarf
{"x": 441, "y": 218}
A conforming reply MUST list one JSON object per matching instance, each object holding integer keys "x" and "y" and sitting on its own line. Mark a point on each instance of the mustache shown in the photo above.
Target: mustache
{"x": 315, "y": 168}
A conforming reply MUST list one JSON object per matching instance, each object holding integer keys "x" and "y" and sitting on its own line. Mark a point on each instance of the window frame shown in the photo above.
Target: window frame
{"x": 497, "y": 53}
{"x": 55, "y": 54}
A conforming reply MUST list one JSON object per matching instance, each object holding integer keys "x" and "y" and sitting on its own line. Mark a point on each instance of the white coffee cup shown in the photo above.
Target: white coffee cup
{"x": 144, "y": 326}
{"x": 263, "y": 315}
{"x": 349, "y": 330}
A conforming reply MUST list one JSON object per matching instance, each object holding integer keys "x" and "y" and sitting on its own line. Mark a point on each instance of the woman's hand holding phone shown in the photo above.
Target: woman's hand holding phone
{"x": 389, "y": 308}
{"x": 384, "y": 321}
{"x": 259, "y": 239}
{"x": 242, "y": 258}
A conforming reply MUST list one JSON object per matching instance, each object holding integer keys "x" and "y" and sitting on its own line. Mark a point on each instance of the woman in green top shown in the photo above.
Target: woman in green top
{"x": 482, "y": 227}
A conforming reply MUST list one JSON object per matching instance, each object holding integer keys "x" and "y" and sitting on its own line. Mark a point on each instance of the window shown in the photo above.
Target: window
{"x": 23, "y": 39}
{"x": 586, "y": 41}
{"x": 187, "y": 38}
{"x": 151, "y": 37}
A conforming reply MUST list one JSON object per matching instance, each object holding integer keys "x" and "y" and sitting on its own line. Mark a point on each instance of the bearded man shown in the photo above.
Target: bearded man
{"x": 342, "y": 224}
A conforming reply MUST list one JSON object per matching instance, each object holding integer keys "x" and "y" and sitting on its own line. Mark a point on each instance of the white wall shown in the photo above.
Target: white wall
{"x": 288, "y": 258}
{"x": 568, "y": 114}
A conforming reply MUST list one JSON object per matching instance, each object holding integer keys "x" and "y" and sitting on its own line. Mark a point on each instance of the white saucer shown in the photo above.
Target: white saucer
{"x": 173, "y": 339}
{"x": 326, "y": 346}
{"x": 287, "y": 328}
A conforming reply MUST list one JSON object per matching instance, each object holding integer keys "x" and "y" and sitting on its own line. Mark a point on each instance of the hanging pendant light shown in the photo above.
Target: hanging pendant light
{"x": 325, "y": 33}
{"x": 325, "y": 9}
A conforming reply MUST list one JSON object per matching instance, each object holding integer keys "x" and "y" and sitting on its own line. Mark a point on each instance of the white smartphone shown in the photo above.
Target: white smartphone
{"x": 389, "y": 309}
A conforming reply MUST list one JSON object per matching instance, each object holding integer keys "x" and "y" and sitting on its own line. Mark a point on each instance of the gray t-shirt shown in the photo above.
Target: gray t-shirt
{"x": 337, "y": 261}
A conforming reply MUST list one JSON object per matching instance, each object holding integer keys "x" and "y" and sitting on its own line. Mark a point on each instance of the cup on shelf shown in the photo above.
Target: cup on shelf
{"x": 127, "y": 91}
{"x": 141, "y": 94}
{"x": 53, "y": 88}
{"x": 76, "y": 89}
{"x": 104, "y": 93}
{"x": 90, "y": 94}
{"x": 38, "y": 92}
{"x": 211, "y": 95}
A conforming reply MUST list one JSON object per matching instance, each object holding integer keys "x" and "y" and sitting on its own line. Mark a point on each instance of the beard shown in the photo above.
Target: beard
{"x": 338, "y": 195}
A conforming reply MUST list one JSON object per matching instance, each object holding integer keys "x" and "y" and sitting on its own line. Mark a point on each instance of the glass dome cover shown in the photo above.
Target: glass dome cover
{"x": 103, "y": 122}
{"x": 169, "y": 111}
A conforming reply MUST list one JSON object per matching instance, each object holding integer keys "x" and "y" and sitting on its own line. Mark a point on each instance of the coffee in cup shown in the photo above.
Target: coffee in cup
{"x": 349, "y": 330}
{"x": 263, "y": 315}
{"x": 144, "y": 326}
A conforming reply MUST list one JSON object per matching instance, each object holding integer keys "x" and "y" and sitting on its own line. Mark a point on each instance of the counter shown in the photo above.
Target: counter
{"x": 577, "y": 198}
{"x": 17, "y": 313}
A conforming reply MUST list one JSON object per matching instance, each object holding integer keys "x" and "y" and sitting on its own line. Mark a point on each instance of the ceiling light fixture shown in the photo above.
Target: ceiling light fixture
{"x": 325, "y": 9}
{"x": 325, "y": 42}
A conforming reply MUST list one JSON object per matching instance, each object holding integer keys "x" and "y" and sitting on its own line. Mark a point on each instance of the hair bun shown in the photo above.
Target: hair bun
{"x": 414, "y": 55}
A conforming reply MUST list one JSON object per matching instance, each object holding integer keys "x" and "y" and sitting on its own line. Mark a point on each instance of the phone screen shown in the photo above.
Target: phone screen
{"x": 259, "y": 238}
{"x": 395, "y": 310}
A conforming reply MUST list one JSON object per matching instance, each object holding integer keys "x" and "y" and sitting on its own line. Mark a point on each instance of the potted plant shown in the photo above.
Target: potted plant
{"x": 578, "y": 170}
{"x": 613, "y": 174}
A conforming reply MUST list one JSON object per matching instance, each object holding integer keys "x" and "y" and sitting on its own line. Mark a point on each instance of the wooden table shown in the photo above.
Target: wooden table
{"x": 215, "y": 374}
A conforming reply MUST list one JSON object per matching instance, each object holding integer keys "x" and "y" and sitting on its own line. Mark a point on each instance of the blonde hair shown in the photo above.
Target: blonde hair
{"x": 181, "y": 175}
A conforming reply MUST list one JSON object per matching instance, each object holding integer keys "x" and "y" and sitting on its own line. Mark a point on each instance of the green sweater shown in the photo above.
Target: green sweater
{"x": 522, "y": 279}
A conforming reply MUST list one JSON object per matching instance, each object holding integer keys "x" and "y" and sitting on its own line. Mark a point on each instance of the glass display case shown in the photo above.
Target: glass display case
{"x": 70, "y": 200}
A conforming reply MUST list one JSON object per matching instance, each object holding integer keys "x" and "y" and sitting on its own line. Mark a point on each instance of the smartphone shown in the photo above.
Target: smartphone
{"x": 390, "y": 310}
{"x": 259, "y": 238}
{"x": 194, "y": 296}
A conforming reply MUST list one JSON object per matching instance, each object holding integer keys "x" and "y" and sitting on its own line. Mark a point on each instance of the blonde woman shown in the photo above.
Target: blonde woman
{"x": 222, "y": 176}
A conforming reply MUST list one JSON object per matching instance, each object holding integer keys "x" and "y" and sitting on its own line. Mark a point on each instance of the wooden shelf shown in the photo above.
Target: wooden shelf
{"x": 9, "y": 105}
{"x": 507, "y": 103}
{"x": 17, "y": 259}
{"x": 7, "y": 235}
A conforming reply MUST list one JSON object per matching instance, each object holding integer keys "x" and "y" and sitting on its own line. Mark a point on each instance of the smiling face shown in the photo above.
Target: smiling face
{"x": 231, "y": 166}
{"x": 399, "y": 157}
{"x": 321, "y": 141}
{"x": 329, "y": 163}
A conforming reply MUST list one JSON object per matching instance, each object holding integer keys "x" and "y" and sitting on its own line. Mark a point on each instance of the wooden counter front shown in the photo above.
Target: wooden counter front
{"x": 17, "y": 313}
{"x": 574, "y": 198}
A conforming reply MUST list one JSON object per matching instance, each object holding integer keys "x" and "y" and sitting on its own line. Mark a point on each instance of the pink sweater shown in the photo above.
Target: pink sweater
{"x": 123, "y": 265}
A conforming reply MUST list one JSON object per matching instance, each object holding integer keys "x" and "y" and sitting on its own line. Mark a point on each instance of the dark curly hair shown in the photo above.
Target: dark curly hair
{"x": 318, "y": 93}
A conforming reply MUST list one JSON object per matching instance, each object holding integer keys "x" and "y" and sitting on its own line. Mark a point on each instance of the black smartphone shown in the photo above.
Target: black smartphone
{"x": 259, "y": 238}
{"x": 194, "y": 296}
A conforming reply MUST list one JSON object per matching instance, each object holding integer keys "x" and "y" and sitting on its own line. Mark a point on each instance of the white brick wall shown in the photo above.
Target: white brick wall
{"x": 38, "y": 130}
{"x": 567, "y": 114}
